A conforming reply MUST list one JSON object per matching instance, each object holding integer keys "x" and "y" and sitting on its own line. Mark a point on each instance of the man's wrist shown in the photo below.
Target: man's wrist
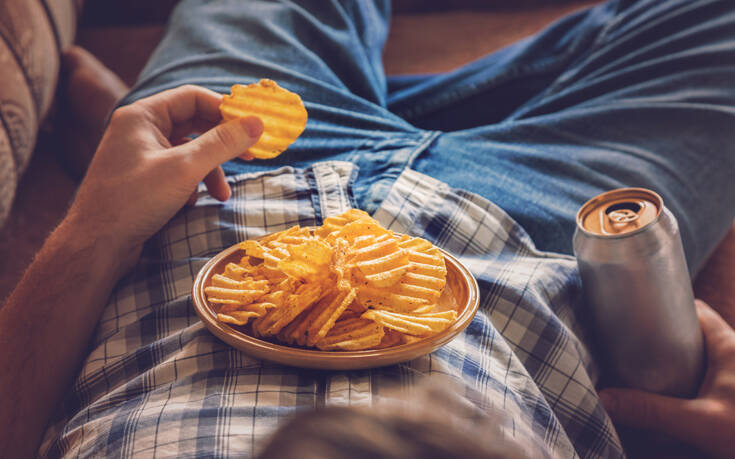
{"x": 107, "y": 251}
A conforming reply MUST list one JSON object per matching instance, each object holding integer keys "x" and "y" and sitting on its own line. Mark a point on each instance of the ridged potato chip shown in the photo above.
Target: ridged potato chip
{"x": 390, "y": 299}
{"x": 315, "y": 324}
{"x": 240, "y": 315}
{"x": 381, "y": 263}
{"x": 219, "y": 280}
{"x": 237, "y": 317}
{"x": 245, "y": 295}
{"x": 360, "y": 228}
{"x": 339, "y": 268}
{"x": 333, "y": 224}
{"x": 325, "y": 314}
{"x": 292, "y": 235}
{"x": 352, "y": 335}
{"x": 308, "y": 261}
{"x": 282, "y": 112}
{"x": 409, "y": 277}
{"x": 297, "y": 302}
{"x": 238, "y": 272}
{"x": 413, "y": 324}
{"x": 390, "y": 338}
{"x": 410, "y": 339}
{"x": 426, "y": 269}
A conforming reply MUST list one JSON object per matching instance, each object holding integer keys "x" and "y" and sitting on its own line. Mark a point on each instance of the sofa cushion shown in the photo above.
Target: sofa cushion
{"x": 31, "y": 36}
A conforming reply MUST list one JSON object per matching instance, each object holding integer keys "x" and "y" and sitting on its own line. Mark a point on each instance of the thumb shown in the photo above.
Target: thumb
{"x": 223, "y": 142}
{"x": 645, "y": 410}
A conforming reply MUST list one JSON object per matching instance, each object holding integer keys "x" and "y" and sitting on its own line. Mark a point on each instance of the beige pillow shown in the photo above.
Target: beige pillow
{"x": 32, "y": 33}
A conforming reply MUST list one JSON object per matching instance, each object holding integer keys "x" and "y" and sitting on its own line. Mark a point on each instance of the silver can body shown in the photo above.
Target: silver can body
{"x": 639, "y": 295}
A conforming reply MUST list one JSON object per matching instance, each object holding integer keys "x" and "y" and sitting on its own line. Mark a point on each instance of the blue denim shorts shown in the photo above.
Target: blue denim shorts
{"x": 621, "y": 94}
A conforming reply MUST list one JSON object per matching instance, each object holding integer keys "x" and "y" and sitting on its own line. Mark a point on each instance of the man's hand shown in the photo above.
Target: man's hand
{"x": 143, "y": 173}
{"x": 708, "y": 421}
{"x": 138, "y": 179}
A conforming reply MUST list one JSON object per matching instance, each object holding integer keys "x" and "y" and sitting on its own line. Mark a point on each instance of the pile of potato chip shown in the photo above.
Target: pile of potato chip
{"x": 347, "y": 285}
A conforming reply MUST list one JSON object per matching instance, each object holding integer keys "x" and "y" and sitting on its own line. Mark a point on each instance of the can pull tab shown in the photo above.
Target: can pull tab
{"x": 621, "y": 217}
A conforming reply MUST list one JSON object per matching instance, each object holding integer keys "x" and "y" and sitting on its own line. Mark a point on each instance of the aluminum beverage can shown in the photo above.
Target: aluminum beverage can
{"x": 638, "y": 291}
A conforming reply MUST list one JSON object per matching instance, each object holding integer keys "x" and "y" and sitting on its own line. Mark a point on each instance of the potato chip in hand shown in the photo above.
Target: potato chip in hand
{"x": 282, "y": 112}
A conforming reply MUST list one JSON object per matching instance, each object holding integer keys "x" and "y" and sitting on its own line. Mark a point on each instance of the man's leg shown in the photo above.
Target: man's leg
{"x": 633, "y": 95}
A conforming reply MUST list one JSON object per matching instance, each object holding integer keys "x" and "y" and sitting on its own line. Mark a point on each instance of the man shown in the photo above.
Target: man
{"x": 490, "y": 162}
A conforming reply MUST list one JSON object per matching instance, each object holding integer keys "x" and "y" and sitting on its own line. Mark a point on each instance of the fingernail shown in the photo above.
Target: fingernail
{"x": 253, "y": 126}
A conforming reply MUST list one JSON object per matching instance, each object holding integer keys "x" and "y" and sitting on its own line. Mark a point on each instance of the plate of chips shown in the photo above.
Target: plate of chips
{"x": 348, "y": 294}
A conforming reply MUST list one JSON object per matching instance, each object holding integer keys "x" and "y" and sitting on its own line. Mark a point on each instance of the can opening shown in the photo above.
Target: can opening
{"x": 623, "y": 213}
{"x": 635, "y": 207}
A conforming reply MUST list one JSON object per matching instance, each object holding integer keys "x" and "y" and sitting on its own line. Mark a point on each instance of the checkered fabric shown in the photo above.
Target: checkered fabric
{"x": 158, "y": 384}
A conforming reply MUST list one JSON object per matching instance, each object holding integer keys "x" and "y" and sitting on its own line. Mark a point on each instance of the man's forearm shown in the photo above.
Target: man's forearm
{"x": 45, "y": 327}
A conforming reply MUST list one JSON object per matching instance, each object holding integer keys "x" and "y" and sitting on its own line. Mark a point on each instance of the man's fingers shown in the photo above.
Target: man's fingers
{"x": 217, "y": 184}
{"x": 216, "y": 181}
{"x": 222, "y": 143}
{"x": 180, "y": 105}
{"x": 710, "y": 321}
{"x": 650, "y": 411}
{"x": 719, "y": 338}
{"x": 192, "y": 198}
{"x": 194, "y": 126}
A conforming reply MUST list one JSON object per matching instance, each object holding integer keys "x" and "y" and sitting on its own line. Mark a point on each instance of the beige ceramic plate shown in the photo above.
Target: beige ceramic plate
{"x": 460, "y": 294}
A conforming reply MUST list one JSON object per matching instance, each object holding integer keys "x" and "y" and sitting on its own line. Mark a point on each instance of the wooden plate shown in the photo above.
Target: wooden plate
{"x": 461, "y": 294}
